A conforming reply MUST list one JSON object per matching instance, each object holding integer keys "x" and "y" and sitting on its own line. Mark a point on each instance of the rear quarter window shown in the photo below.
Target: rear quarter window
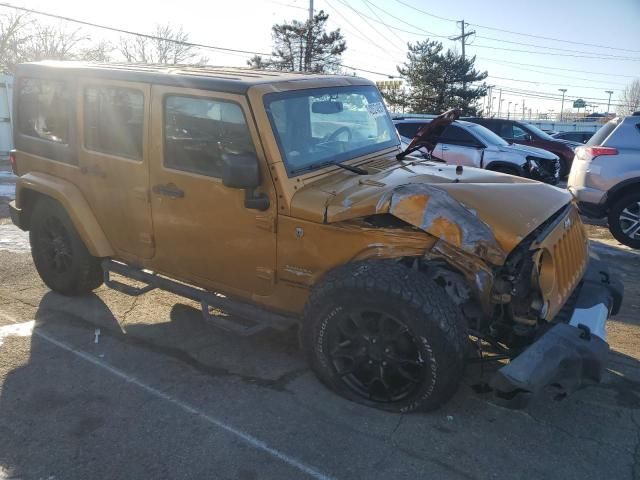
{"x": 44, "y": 109}
{"x": 601, "y": 135}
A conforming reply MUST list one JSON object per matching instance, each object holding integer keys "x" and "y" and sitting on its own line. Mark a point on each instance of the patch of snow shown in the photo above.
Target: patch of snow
{"x": 16, "y": 330}
{"x": 13, "y": 239}
{"x": 605, "y": 248}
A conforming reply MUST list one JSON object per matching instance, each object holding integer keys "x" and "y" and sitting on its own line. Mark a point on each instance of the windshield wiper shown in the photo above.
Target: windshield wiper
{"x": 313, "y": 166}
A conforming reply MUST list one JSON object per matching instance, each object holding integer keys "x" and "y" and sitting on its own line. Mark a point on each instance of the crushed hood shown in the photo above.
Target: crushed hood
{"x": 476, "y": 210}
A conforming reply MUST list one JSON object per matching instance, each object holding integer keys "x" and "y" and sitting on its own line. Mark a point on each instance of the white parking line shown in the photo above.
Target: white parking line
{"x": 245, "y": 437}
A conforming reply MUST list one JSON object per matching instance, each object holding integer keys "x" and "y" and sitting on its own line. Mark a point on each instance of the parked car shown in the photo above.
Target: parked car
{"x": 578, "y": 137}
{"x": 525, "y": 134}
{"x": 279, "y": 198}
{"x": 470, "y": 144}
{"x": 605, "y": 177}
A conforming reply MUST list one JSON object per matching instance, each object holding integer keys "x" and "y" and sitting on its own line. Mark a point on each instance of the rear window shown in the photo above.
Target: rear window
{"x": 44, "y": 110}
{"x": 601, "y": 135}
{"x": 113, "y": 121}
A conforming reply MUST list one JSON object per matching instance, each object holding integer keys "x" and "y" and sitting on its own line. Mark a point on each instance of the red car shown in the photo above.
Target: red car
{"x": 526, "y": 134}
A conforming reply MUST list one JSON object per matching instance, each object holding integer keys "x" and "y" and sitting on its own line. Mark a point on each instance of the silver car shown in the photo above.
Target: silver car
{"x": 605, "y": 177}
{"x": 470, "y": 144}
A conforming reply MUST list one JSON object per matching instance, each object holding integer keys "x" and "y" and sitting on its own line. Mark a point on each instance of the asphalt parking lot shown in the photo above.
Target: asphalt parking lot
{"x": 109, "y": 386}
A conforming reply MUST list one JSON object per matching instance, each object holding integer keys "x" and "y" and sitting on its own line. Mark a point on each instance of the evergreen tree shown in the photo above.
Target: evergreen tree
{"x": 441, "y": 80}
{"x": 304, "y": 47}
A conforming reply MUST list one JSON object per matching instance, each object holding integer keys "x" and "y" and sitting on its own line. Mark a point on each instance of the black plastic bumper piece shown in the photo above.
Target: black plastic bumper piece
{"x": 593, "y": 210}
{"x": 16, "y": 215}
{"x": 567, "y": 355}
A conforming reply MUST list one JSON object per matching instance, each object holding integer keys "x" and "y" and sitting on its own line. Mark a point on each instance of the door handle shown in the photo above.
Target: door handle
{"x": 168, "y": 190}
{"x": 445, "y": 148}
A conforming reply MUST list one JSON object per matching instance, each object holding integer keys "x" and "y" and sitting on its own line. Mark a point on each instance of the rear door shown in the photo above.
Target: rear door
{"x": 204, "y": 233}
{"x": 114, "y": 162}
{"x": 459, "y": 147}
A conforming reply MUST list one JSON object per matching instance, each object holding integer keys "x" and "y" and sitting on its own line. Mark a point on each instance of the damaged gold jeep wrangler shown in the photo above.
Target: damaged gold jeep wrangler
{"x": 277, "y": 197}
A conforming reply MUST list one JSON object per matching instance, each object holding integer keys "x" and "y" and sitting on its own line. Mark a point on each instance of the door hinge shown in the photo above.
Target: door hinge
{"x": 266, "y": 222}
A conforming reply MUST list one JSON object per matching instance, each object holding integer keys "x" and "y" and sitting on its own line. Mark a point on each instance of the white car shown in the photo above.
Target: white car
{"x": 469, "y": 144}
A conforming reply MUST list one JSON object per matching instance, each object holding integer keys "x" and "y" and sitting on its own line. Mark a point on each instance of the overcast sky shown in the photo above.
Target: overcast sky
{"x": 372, "y": 45}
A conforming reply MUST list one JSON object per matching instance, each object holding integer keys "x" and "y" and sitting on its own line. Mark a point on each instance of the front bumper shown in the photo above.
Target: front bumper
{"x": 571, "y": 352}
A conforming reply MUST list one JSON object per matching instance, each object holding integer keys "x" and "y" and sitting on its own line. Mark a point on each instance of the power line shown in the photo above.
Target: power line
{"x": 367, "y": 4}
{"x": 129, "y": 32}
{"x": 559, "y": 54}
{"x": 180, "y": 42}
{"x": 542, "y": 37}
{"x": 546, "y": 83}
{"x": 363, "y": 17}
{"x": 367, "y": 38}
{"x": 551, "y": 73}
{"x": 561, "y": 69}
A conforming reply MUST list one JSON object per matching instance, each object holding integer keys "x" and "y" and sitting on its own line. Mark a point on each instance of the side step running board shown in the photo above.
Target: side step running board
{"x": 254, "y": 319}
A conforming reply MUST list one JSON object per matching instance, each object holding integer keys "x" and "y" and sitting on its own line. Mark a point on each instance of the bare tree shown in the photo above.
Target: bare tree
{"x": 53, "y": 42}
{"x": 14, "y": 36}
{"x": 170, "y": 46}
{"x": 630, "y": 99}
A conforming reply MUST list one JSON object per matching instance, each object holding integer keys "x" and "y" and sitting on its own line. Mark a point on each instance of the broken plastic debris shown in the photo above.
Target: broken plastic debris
{"x": 97, "y": 336}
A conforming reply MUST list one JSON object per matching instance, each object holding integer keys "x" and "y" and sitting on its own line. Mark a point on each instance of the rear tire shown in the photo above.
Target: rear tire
{"x": 624, "y": 220}
{"x": 383, "y": 335}
{"x": 59, "y": 254}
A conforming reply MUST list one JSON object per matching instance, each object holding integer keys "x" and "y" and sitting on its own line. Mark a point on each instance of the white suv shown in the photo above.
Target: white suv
{"x": 470, "y": 144}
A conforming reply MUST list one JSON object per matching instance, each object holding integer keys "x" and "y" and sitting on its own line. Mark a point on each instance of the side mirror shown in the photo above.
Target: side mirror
{"x": 241, "y": 170}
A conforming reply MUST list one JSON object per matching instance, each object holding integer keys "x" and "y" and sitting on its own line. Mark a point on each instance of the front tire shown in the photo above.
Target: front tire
{"x": 624, "y": 220}
{"x": 381, "y": 334}
{"x": 59, "y": 254}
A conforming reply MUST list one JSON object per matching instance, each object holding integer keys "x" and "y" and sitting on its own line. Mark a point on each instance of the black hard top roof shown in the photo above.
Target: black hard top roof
{"x": 226, "y": 79}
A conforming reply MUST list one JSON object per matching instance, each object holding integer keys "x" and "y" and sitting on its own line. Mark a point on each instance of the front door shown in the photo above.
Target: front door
{"x": 114, "y": 162}
{"x": 203, "y": 232}
{"x": 459, "y": 147}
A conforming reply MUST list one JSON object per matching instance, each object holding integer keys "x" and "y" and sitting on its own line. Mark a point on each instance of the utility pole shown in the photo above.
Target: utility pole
{"x": 563, "y": 90}
{"x": 463, "y": 36}
{"x": 509, "y": 110}
{"x": 308, "y": 49}
{"x": 609, "y": 103}
{"x": 523, "y": 109}
{"x": 500, "y": 103}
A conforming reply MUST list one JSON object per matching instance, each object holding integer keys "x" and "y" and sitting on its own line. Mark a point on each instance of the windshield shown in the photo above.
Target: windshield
{"x": 487, "y": 136}
{"x": 328, "y": 125}
{"x": 540, "y": 133}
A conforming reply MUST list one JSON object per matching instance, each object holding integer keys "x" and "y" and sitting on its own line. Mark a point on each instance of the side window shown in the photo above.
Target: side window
{"x": 44, "y": 109}
{"x": 197, "y": 131}
{"x": 457, "y": 136}
{"x": 518, "y": 133}
{"x": 114, "y": 121}
{"x": 408, "y": 130}
{"x": 505, "y": 130}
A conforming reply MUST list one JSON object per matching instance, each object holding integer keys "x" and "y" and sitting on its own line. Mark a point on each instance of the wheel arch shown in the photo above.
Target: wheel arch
{"x": 496, "y": 164}
{"x": 34, "y": 187}
{"x": 621, "y": 189}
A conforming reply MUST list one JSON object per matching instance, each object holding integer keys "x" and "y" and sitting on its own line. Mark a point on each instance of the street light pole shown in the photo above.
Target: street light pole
{"x": 609, "y": 103}
{"x": 563, "y": 90}
{"x": 509, "y": 110}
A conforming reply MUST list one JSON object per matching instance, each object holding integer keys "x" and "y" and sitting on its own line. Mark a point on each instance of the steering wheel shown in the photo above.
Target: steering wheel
{"x": 332, "y": 137}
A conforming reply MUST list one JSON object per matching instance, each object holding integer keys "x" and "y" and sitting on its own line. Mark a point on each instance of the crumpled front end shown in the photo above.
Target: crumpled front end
{"x": 574, "y": 350}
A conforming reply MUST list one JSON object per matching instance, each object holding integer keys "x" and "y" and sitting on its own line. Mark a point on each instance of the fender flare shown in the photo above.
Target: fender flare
{"x": 500, "y": 163}
{"x": 73, "y": 201}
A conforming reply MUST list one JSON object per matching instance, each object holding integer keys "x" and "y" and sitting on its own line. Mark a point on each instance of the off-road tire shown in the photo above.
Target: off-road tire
{"x": 79, "y": 272}
{"x": 614, "y": 219}
{"x": 389, "y": 287}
